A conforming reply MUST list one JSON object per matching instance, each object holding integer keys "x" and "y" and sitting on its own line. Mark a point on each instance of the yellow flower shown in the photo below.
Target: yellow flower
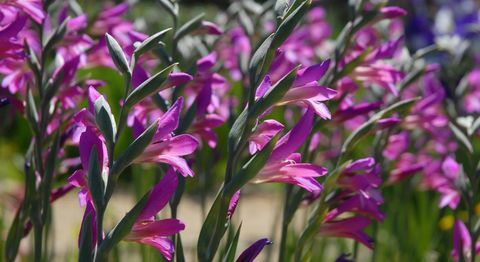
{"x": 446, "y": 223}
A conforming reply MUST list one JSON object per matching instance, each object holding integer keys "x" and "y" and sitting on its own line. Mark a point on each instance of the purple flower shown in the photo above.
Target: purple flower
{"x": 462, "y": 242}
{"x": 155, "y": 233}
{"x": 305, "y": 90}
{"x": 249, "y": 254}
{"x": 263, "y": 134}
{"x": 285, "y": 166}
{"x": 348, "y": 228}
{"x": 169, "y": 149}
{"x": 33, "y": 8}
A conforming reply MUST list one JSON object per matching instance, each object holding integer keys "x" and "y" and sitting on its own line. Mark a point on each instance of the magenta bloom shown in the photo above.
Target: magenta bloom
{"x": 167, "y": 148}
{"x": 285, "y": 166}
{"x": 254, "y": 250}
{"x": 263, "y": 134}
{"x": 348, "y": 228}
{"x": 33, "y": 8}
{"x": 155, "y": 233}
{"x": 462, "y": 242}
{"x": 305, "y": 90}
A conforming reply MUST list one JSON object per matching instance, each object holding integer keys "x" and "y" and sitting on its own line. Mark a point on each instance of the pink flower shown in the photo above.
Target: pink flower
{"x": 249, "y": 254}
{"x": 305, "y": 90}
{"x": 348, "y": 228}
{"x": 285, "y": 166}
{"x": 155, "y": 233}
{"x": 167, "y": 148}
{"x": 462, "y": 242}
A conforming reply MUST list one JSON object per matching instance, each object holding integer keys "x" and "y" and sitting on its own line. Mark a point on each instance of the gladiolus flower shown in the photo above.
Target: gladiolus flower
{"x": 253, "y": 251}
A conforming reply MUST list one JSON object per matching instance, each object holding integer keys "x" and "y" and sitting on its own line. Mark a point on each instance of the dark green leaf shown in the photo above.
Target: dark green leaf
{"x": 189, "y": 27}
{"x": 213, "y": 228}
{"x": 237, "y": 130}
{"x": 117, "y": 54}
{"x": 461, "y": 137}
{"x": 281, "y": 7}
{"x": 232, "y": 247}
{"x": 151, "y": 42}
{"x": 250, "y": 169}
{"x": 123, "y": 227}
{"x": 134, "y": 150}
{"x": 32, "y": 114}
{"x": 105, "y": 120}
{"x": 172, "y": 8}
{"x": 365, "y": 128}
{"x": 149, "y": 87}
{"x": 275, "y": 93}
{"x": 257, "y": 62}
{"x": 85, "y": 252}
{"x": 287, "y": 26}
{"x": 246, "y": 22}
{"x": 96, "y": 184}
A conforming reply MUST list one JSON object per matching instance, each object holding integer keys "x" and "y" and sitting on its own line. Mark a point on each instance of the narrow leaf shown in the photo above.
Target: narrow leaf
{"x": 189, "y": 27}
{"x": 117, "y": 54}
{"x": 149, "y": 87}
{"x": 275, "y": 93}
{"x": 85, "y": 250}
{"x": 134, "y": 150}
{"x": 123, "y": 227}
{"x": 250, "y": 169}
{"x": 151, "y": 42}
{"x": 105, "y": 120}
{"x": 461, "y": 137}
{"x": 365, "y": 128}
{"x": 287, "y": 26}
{"x": 258, "y": 60}
{"x": 232, "y": 247}
{"x": 96, "y": 185}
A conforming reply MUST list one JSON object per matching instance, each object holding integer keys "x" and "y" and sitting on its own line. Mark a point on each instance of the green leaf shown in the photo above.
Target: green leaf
{"x": 461, "y": 137}
{"x": 134, "y": 150}
{"x": 399, "y": 107}
{"x": 171, "y": 8}
{"x": 105, "y": 120}
{"x": 475, "y": 125}
{"x": 275, "y": 93}
{"x": 32, "y": 114}
{"x": 232, "y": 247}
{"x": 246, "y": 22}
{"x": 86, "y": 250}
{"x": 122, "y": 228}
{"x": 188, "y": 27}
{"x": 213, "y": 228}
{"x": 150, "y": 43}
{"x": 281, "y": 7}
{"x": 149, "y": 87}
{"x": 250, "y": 169}
{"x": 96, "y": 183}
{"x": 287, "y": 26}
{"x": 258, "y": 61}
{"x": 237, "y": 130}
{"x": 117, "y": 54}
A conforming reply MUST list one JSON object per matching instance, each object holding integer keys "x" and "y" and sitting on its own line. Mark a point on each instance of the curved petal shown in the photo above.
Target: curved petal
{"x": 177, "y": 163}
{"x": 169, "y": 121}
{"x": 164, "y": 227}
{"x": 290, "y": 142}
{"x": 159, "y": 196}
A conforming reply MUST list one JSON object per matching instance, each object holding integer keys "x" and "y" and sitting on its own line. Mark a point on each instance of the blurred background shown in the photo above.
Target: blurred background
{"x": 415, "y": 229}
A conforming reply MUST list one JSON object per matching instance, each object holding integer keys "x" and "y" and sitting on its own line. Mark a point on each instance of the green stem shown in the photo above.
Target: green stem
{"x": 285, "y": 223}
{"x": 38, "y": 241}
